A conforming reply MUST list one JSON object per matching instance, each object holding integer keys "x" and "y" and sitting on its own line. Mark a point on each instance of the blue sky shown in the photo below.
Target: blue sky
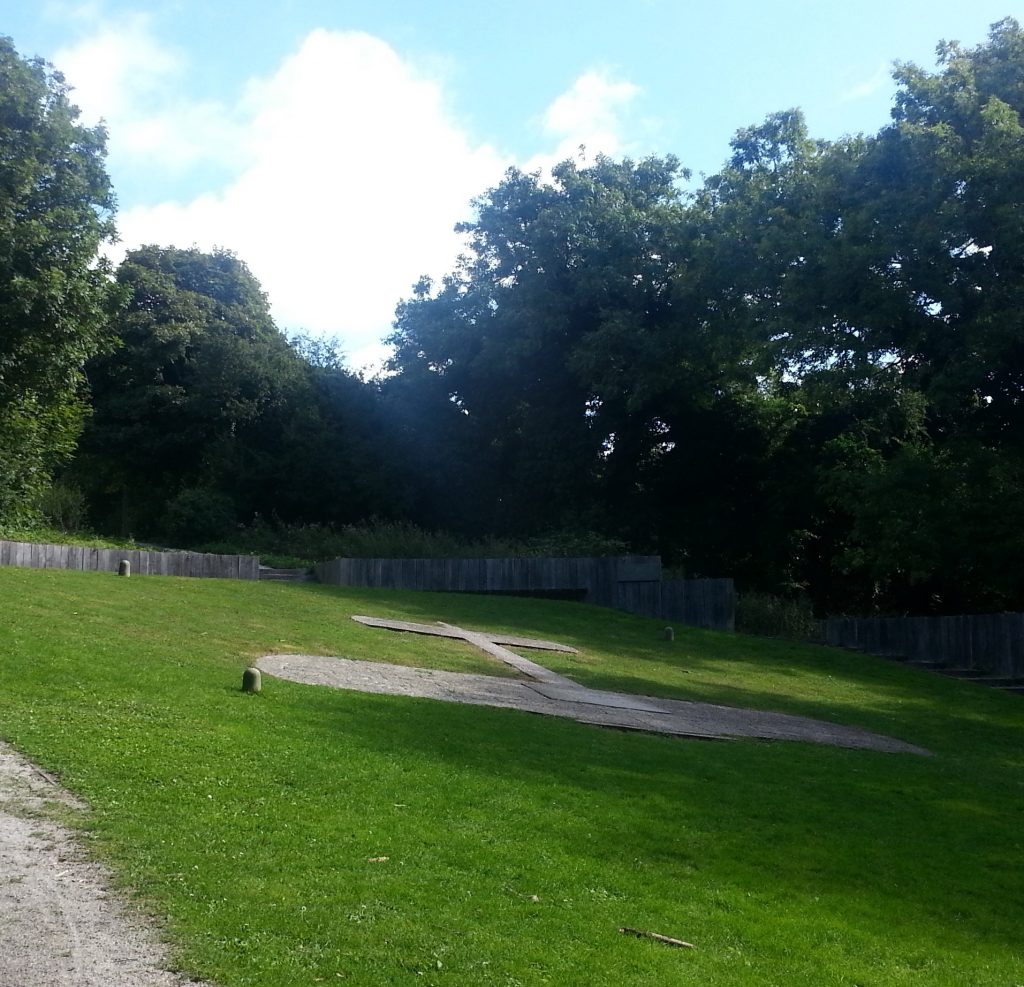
{"x": 333, "y": 145}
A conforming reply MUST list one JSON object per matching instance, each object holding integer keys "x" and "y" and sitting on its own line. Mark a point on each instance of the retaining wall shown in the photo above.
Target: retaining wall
{"x": 626, "y": 582}
{"x": 144, "y": 563}
{"x": 989, "y": 643}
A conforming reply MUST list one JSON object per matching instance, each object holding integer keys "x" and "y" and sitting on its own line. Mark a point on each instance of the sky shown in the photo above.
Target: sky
{"x": 334, "y": 144}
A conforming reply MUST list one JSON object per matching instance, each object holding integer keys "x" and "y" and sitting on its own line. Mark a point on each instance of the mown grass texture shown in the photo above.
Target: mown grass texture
{"x": 308, "y": 835}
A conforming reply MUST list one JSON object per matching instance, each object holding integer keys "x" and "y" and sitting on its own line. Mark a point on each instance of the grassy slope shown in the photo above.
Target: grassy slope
{"x": 516, "y": 845}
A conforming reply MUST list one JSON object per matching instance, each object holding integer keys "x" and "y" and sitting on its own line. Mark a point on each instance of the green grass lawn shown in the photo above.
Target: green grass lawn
{"x": 309, "y": 835}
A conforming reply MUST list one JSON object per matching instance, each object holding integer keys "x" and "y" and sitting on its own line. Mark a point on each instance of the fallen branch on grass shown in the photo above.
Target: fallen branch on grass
{"x": 657, "y": 937}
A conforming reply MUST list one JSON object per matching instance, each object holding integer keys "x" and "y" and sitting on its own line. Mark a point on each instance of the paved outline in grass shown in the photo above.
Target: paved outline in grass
{"x": 489, "y": 643}
{"x": 554, "y": 695}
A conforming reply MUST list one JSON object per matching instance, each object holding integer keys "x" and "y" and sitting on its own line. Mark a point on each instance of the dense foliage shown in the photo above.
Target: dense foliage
{"x": 806, "y": 371}
{"x": 55, "y": 211}
{"x": 205, "y": 416}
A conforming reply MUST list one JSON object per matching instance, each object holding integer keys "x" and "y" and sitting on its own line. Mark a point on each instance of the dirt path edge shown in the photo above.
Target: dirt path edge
{"x": 61, "y": 925}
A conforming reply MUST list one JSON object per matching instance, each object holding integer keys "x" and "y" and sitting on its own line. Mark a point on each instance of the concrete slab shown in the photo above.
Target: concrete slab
{"x": 593, "y": 697}
{"x": 665, "y": 716}
{"x": 490, "y": 644}
{"x": 441, "y": 629}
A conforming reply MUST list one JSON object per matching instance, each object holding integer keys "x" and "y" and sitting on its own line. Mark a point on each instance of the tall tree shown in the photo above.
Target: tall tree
{"x": 184, "y": 402}
{"x": 56, "y": 209}
{"x": 584, "y": 365}
{"x": 931, "y": 232}
{"x": 505, "y": 350}
{"x": 206, "y": 416}
{"x": 809, "y": 372}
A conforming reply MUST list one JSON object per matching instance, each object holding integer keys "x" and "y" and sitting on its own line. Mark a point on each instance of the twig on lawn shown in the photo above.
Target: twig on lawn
{"x": 46, "y": 776}
{"x": 657, "y": 937}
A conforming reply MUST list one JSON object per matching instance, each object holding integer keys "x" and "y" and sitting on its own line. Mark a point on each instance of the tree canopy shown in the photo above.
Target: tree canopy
{"x": 56, "y": 209}
{"x": 805, "y": 371}
{"x": 205, "y": 416}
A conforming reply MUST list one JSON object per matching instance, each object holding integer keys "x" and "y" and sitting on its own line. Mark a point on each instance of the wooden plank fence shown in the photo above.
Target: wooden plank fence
{"x": 628, "y": 582}
{"x": 143, "y": 563}
{"x": 707, "y": 603}
{"x": 991, "y": 644}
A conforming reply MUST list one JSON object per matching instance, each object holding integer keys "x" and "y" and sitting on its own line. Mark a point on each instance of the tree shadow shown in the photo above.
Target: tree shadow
{"x": 794, "y": 819}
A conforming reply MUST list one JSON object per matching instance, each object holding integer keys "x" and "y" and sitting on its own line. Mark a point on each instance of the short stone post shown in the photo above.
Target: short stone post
{"x": 124, "y": 568}
{"x": 669, "y": 634}
{"x": 252, "y": 681}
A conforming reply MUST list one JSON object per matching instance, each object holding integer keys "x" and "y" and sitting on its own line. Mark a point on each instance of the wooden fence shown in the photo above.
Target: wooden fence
{"x": 143, "y": 563}
{"x": 709, "y": 603}
{"x": 629, "y": 582}
{"x": 990, "y": 644}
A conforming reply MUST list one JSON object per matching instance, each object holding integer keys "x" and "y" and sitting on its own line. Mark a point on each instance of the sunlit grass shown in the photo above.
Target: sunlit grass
{"x": 311, "y": 835}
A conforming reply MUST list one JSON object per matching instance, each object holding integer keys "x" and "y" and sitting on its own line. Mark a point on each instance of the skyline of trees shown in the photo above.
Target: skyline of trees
{"x": 806, "y": 373}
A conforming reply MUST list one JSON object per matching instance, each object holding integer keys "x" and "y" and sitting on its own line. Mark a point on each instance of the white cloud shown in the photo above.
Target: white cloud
{"x": 349, "y": 168}
{"x": 868, "y": 87}
{"x": 357, "y": 176}
{"x": 116, "y": 68}
{"x": 590, "y": 114}
{"x": 124, "y": 76}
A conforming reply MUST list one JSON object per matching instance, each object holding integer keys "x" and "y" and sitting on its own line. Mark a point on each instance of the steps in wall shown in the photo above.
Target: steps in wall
{"x": 287, "y": 575}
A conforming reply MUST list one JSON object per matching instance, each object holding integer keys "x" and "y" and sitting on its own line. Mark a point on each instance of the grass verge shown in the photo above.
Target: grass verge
{"x": 317, "y": 836}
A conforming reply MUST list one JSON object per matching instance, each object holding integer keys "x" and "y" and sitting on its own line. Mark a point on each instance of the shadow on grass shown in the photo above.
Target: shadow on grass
{"x": 934, "y": 721}
{"x": 872, "y": 834}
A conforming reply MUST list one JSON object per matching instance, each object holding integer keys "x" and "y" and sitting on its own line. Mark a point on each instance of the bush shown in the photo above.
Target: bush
{"x": 571, "y": 542}
{"x": 199, "y": 514}
{"x": 401, "y": 539}
{"x": 303, "y": 544}
{"x": 776, "y": 616}
{"x": 62, "y": 505}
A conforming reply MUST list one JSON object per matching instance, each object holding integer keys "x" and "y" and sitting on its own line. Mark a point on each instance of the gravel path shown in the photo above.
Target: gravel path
{"x": 60, "y": 926}
{"x": 566, "y": 698}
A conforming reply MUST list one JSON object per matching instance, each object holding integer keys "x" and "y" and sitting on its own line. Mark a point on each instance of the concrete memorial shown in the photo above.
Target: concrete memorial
{"x": 545, "y": 692}
{"x": 489, "y": 643}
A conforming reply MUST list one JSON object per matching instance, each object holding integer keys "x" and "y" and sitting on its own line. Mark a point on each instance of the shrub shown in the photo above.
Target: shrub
{"x": 376, "y": 539}
{"x": 199, "y": 514}
{"x": 572, "y": 542}
{"x": 62, "y": 505}
{"x": 776, "y": 616}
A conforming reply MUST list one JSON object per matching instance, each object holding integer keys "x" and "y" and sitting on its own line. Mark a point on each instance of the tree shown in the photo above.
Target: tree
{"x": 928, "y": 233}
{"x": 507, "y": 356}
{"x": 206, "y": 416}
{"x": 585, "y": 365}
{"x": 808, "y": 373}
{"x": 191, "y": 395}
{"x": 56, "y": 209}
{"x": 878, "y": 283}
